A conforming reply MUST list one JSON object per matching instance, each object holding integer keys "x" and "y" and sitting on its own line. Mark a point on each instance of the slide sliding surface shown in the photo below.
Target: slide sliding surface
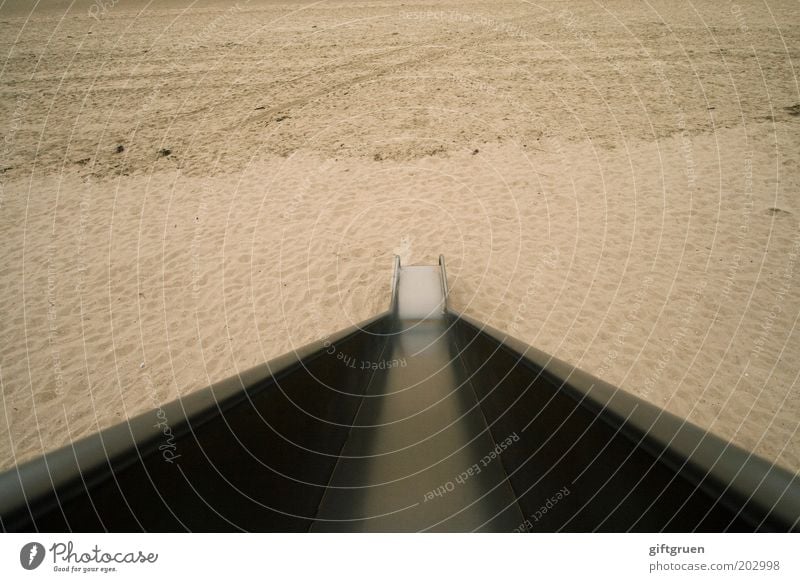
{"x": 416, "y": 420}
{"x": 413, "y": 459}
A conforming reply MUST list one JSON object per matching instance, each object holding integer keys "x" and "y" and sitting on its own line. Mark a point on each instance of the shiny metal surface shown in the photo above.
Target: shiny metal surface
{"x": 420, "y": 294}
{"x": 416, "y": 420}
{"x": 418, "y": 429}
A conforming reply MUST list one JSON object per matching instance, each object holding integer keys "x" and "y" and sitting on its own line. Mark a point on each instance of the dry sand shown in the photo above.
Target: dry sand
{"x": 614, "y": 182}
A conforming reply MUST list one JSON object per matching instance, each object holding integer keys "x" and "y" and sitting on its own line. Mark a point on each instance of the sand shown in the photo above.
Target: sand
{"x": 189, "y": 189}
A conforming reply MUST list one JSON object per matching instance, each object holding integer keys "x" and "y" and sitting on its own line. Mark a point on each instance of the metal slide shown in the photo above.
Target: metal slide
{"x": 419, "y": 419}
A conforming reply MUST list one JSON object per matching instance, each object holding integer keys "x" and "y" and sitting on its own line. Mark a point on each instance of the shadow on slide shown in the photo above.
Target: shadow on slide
{"x": 419, "y": 419}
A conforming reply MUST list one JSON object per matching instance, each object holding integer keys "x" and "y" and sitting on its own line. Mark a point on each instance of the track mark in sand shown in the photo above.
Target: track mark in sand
{"x": 773, "y": 211}
{"x": 272, "y": 113}
{"x": 282, "y": 110}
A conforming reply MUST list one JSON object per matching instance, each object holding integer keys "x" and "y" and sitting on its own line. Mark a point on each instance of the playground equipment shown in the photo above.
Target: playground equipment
{"x": 419, "y": 419}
